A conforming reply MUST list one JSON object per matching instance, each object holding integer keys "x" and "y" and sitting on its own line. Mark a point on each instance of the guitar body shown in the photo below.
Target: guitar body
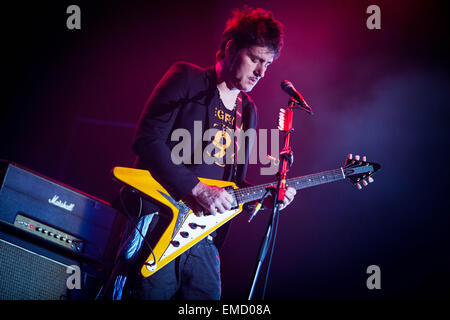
{"x": 183, "y": 228}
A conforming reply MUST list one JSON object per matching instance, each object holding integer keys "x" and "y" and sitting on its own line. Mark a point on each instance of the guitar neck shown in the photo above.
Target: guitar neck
{"x": 248, "y": 194}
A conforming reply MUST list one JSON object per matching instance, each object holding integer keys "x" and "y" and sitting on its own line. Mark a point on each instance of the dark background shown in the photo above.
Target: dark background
{"x": 71, "y": 99}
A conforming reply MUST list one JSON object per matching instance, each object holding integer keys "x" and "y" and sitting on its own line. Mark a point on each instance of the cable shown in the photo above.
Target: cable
{"x": 274, "y": 224}
{"x": 274, "y": 235}
{"x": 259, "y": 203}
{"x": 136, "y": 227}
{"x": 136, "y": 224}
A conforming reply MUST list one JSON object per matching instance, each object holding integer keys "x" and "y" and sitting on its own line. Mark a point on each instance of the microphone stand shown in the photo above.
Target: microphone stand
{"x": 278, "y": 193}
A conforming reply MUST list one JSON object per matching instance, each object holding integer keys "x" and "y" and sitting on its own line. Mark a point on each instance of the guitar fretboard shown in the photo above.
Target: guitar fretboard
{"x": 248, "y": 194}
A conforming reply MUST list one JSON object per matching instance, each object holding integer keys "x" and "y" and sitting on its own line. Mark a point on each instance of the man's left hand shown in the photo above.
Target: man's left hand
{"x": 288, "y": 197}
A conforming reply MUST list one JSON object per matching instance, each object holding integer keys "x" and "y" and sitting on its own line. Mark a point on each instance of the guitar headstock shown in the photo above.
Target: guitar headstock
{"x": 359, "y": 171}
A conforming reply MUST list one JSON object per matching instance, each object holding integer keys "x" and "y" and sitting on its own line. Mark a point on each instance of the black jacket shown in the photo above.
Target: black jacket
{"x": 185, "y": 94}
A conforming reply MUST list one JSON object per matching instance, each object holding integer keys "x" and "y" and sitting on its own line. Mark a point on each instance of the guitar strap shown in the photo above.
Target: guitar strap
{"x": 237, "y": 132}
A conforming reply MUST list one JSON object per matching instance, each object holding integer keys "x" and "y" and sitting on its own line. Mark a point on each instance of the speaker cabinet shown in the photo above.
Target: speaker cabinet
{"x": 26, "y": 275}
{"x": 29, "y": 271}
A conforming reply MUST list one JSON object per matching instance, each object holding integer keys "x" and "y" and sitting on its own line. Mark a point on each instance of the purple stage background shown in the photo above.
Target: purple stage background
{"x": 72, "y": 98}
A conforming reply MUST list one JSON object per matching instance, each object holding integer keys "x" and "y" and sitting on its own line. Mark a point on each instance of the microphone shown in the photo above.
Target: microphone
{"x": 289, "y": 88}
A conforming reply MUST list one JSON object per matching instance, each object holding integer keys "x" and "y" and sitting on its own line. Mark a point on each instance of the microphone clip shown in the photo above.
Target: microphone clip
{"x": 288, "y": 154}
{"x": 302, "y": 105}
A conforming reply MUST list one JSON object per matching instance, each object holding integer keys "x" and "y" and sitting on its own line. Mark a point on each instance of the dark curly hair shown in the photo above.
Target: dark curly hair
{"x": 249, "y": 27}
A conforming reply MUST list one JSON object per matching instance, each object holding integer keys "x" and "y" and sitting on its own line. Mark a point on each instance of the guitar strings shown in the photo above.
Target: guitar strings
{"x": 254, "y": 192}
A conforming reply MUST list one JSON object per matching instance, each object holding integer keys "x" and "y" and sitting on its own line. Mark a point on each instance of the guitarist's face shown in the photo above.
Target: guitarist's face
{"x": 248, "y": 66}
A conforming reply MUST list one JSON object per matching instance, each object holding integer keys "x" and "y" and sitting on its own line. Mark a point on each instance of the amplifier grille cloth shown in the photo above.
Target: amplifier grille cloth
{"x": 25, "y": 275}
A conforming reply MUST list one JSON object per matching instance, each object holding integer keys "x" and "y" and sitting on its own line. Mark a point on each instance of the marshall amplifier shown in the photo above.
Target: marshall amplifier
{"x": 58, "y": 216}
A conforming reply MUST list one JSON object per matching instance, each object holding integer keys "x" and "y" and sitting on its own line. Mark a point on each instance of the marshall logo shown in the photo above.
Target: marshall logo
{"x": 56, "y": 202}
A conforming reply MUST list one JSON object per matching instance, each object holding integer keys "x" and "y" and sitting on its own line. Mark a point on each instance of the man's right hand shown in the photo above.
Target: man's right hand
{"x": 208, "y": 198}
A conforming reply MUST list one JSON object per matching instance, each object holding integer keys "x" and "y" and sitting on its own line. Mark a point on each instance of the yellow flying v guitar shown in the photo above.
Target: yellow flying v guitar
{"x": 182, "y": 228}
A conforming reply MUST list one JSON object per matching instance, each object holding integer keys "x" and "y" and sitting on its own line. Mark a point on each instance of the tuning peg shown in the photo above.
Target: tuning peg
{"x": 365, "y": 183}
{"x": 358, "y": 185}
{"x": 357, "y": 157}
{"x": 364, "y": 158}
{"x": 350, "y": 156}
{"x": 370, "y": 179}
